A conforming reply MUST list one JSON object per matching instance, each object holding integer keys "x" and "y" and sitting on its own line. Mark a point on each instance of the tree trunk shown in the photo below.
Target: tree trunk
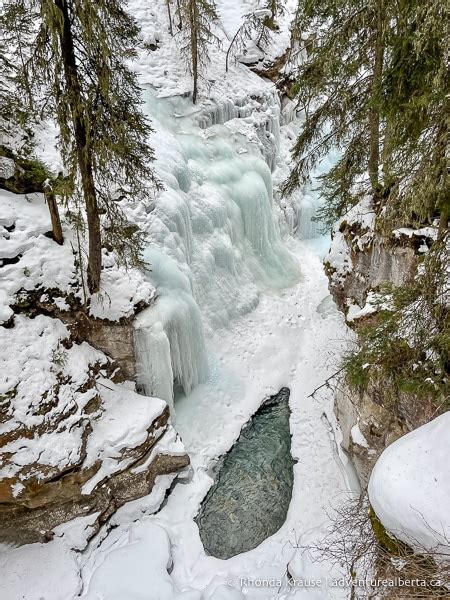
{"x": 374, "y": 113}
{"x": 84, "y": 157}
{"x": 170, "y": 17}
{"x": 54, "y": 215}
{"x": 180, "y": 22}
{"x": 194, "y": 46}
{"x": 443, "y": 222}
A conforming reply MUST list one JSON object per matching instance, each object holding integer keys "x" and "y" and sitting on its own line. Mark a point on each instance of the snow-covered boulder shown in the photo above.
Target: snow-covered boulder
{"x": 409, "y": 488}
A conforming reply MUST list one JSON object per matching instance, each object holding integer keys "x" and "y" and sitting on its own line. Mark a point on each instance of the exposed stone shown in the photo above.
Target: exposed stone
{"x": 43, "y": 504}
{"x": 115, "y": 339}
{"x": 379, "y": 263}
{"x": 21, "y": 175}
{"x": 7, "y": 167}
{"x": 379, "y": 422}
{"x": 20, "y": 525}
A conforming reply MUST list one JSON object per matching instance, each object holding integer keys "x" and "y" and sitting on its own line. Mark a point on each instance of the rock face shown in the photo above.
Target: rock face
{"x": 73, "y": 442}
{"x": 369, "y": 423}
{"x": 360, "y": 261}
{"x": 379, "y": 263}
{"x": 115, "y": 339}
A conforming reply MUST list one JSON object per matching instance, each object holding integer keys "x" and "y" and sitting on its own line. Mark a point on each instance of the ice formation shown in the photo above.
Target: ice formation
{"x": 213, "y": 240}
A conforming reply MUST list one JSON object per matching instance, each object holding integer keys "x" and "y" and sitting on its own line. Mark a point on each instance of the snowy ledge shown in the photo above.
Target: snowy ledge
{"x": 31, "y": 261}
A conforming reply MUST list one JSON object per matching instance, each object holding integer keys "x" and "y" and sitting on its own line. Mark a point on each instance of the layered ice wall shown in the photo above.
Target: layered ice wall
{"x": 266, "y": 126}
{"x": 169, "y": 339}
{"x": 214, "y": 243}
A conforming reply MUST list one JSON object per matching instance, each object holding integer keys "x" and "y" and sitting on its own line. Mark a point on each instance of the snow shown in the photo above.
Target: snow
{"x": 41, "y": 263}
{"x": 46, "y": 571}
{"x": 120, "y": 292}
{"x": 32, "y": 360}
{"x": 359, "y": 222}
{"x": 361, "y": 214}
{"x": 339, "y": 257}
{"x": 38, "y": 372}
{"x": 127, "y": 416}
{"x": 165, "y": 69}
{"x": 374, "y": 302}
{"x": 426, "y": 232}
{"x": 409, "y": 488}
{"x": 22, "y": 572}
{"x": 135, "y": 566}
{"x": 358, "y": 437}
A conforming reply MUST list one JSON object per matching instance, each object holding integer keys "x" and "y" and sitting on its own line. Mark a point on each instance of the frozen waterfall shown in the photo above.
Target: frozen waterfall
{"x": 169, "y": 336}
{"x": 214, "y": 242}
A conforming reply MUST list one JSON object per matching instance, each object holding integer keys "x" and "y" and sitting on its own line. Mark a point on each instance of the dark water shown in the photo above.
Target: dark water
{"x": 253, "y": 488}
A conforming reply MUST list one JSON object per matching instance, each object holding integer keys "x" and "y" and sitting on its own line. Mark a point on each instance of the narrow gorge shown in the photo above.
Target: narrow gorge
{"x": 223, "y": 302}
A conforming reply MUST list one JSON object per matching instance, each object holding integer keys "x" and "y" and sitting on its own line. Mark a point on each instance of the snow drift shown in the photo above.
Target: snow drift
{"x": 409, "y": 488}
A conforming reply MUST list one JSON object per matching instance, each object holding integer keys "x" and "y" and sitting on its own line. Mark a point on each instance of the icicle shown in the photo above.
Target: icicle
{"x": 169, "y": 340}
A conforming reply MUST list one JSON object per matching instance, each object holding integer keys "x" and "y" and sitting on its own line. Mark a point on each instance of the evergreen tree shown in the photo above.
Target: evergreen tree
{"x": 14, "y": 65}
{"x": 276, "y": 9}
{"x": 256, "y": 28}
{"x": 77, "y": 53}
{"x": 414, "y": 103}
{"x": 374, "y": 86}
{"x": 339, "y": 84}
{"x": 198, "y": 18}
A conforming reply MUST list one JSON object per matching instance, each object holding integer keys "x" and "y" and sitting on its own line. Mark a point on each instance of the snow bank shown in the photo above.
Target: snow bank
{"x": 47, "y": 387}
{"x": 22, "y": 572}
{"x": 51, "y": 569}
{"x": 123, "y": 426}
{"x": 410, "y": 487}
{"x": 28, "y": 258}
{"x": 135, "y": 567}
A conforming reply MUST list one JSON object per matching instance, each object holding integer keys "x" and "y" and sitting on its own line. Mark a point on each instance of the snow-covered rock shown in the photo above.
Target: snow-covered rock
{"x": 361, "y": 259}
{"x": 409, "y": 488}
{"x": 7, "y": 167}
{"x": 30, "y": 260}
{"x": 71, "y": 439}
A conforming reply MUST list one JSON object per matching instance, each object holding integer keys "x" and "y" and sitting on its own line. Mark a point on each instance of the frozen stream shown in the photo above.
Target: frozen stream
{"x": 243, "y": 310}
